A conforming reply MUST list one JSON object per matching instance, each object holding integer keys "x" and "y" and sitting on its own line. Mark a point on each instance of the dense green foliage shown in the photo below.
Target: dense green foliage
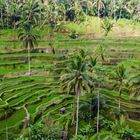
{"x": 42, "y": 12}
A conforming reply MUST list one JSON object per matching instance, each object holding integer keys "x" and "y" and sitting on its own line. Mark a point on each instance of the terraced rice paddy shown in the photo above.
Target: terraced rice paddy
{"x": 37, "y": 94}
{"x": 40, "y": 94}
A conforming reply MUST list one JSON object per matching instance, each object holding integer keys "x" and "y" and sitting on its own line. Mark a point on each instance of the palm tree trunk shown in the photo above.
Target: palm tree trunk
{"x": 119, "y": 105}
{"x": 64, "y": 19}
{"x": 90, "y": 112}
{"x": 98, "y": 113}
{"x": 29, "y": 61}
{"x": 73, "y": 117}
{"x": 120, "y": 14}
{"x": 86, "y": 14}
{"x": 42, "y": 1}
{"x": 6, "y": 130}
{"x": 52, "y": 48}
{"x": 120, "y": 90}
{"x": 7, "y": 8}
{"x": 114, "y": 10}
{"x": 99, "y": 21}
{"x": 1, "y": 18}
{"x": 27, "y": 121}
{"x": 77, "y": 113}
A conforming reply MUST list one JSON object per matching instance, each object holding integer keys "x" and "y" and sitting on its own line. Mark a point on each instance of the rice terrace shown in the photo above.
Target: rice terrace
{"x": 69, "y": 70}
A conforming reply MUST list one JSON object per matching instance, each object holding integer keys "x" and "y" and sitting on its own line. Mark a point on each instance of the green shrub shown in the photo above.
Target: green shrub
{"x": 129, "y": 134}
{"x": 107, "y": 26}
{"x": 87, "y": 130}
{"x": 73, "y": 35}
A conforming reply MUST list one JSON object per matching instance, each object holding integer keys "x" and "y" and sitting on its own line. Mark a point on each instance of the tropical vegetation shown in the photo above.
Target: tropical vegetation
{"x": 69, "y": 69}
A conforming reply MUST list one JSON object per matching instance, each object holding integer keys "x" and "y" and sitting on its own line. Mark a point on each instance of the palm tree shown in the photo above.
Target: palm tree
{"x": 99, "y": 4}
{"x": 2, "y": 8}
{"x": 78, "y": 12}
{"x": 78, "y": 79}
{"x": 27, "y": 121}
{"x": 14, "y": 13}
{"x": 131, "y": 7}
{"x": 114, "y": 1}
{"x": 134, "y": 82}
{"x": 32, "y": 11}
{"x": 121, "y": 4}
{"x": 29, "y": 39}
{"x": 53, "y": 17}
{"x": 7, "y": 2}
{"x": 62, "y": 11}
{"x": 120, "y": 76}
{"x": 89, "y": 5}
{"x": 99, "y": 81}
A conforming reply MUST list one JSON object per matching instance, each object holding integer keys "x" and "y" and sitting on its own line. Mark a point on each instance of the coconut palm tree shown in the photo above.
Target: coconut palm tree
{"x": 78, "y": 79}
{"x": 134, "y": 82}
{"x": 29, "y": 38}
{"x": 121, "y": 4}
{"x": 99, "y": 4}
{"x": 53, "y": 19}
{"x": 131, "y": 7}
{"x": 100, "y": 80}
{"x": 120, "y": 76}
{"x": 62, "y": 11}
{"x": 7, "y": 2}
{"x": 88, "y": 4}
{"x": 32, "y": 11}
{"x": 14, "y": 13}
{"x": 2, "y": 9}
{"x": 75, "y": 11}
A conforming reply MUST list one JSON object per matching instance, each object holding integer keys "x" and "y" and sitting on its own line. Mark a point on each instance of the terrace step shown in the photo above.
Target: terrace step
{"x": 53, "y": 109}
{"x": 14, "y": 120}
{"x": 50, "y": 105}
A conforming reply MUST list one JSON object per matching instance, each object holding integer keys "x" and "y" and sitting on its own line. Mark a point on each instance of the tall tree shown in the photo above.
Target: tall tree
{"x": 54, "y": 15}
{"x": 99, "y": 4}
{"x": 88, "y": 4}
{"x": 77, "y": 78}
{"x": 2, "y": 9}
{"x": 120, "y": 76}
{"x": 33, "y": 12}
{"x": 28, "y": 37}
{"x": 134, "y": 82}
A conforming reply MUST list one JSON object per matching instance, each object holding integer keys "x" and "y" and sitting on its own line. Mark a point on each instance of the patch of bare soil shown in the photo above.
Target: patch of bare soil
{"x": 124, "y": 32}
{"x": 115, "y": 50}
{"x": 13, "y": 38}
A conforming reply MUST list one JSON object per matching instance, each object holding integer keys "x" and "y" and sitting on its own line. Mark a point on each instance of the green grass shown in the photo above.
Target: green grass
{"x": 55, "y": 108}
{"x": 13, "y": 120}
{"x": 134, "y": 124}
